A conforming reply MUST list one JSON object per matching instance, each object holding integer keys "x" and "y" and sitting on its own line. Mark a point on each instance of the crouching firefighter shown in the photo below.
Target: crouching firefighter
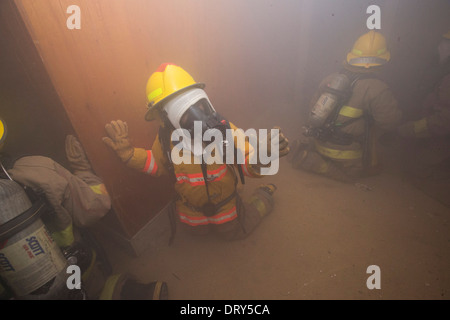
{"x": 207, "y": 198}
{"x": 45, "y": 217}
{"x": 347, "y": 114}
{"x": 44, "y": 205}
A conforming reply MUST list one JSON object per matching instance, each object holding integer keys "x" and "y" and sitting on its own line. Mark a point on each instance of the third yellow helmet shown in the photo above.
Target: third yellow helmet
{"x": 2, "y": 131}
{"x": 369, "y": 50}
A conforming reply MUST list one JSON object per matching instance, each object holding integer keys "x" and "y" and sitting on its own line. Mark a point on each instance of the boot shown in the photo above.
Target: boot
{"x": 125, "y": 287}
{"x": 133, "y": 290}
{"x": 269, "y": 188}
{"x": 75, "y": 155}
{"x": 298, "y": 151}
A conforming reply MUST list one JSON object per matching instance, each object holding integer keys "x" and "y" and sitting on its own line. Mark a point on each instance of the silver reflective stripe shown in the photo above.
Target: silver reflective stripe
{"x": 192, "y": 180}
{"x": 367, "y": 60}
{"x": 195, "y": 178}
{"x": 152, "y": 164}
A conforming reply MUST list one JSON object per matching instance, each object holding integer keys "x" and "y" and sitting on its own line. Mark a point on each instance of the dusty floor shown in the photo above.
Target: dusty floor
{"x": 316, "y": 244}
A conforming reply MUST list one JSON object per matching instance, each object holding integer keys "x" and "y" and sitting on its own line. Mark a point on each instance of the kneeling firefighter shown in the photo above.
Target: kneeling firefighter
{"x": 425, "y": 137}
{"x": 339, "y": 137}
{"x": 45, "y": 217}
{"x": 207, "y": 197}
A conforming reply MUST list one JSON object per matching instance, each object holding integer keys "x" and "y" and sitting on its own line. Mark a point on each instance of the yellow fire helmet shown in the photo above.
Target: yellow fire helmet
{"x": 369, "y": 50}
{"x": 166, "y": 82}
{"x": 2, "y": 131}
{"x": 447, "y": 35}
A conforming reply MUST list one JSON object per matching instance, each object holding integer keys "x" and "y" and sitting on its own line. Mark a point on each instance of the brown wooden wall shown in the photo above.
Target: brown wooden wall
{"x": 260, "y": 60}
{"x": 35, "y": 117}
{"x": 100, "y": 72}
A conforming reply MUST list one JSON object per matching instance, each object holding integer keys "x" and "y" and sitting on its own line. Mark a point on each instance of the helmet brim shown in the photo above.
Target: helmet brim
{"x": 384, "y": 58}
{"x": 150, "y": 114}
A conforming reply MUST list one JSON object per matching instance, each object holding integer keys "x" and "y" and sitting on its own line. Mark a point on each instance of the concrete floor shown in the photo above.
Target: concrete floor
{"x": 316, "y": 244}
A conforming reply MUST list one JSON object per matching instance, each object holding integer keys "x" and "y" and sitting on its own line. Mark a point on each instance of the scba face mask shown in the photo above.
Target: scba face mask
{"x": 193, "y": 113}
{"x": 199, "y": 111}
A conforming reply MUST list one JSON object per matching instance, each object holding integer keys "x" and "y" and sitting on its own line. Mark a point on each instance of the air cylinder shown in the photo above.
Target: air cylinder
{"x": 31, "y": 263}
{"x": 331, "y": 96}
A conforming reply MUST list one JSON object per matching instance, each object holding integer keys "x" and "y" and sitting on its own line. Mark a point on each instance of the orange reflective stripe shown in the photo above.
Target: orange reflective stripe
{"x": 150, "y": 164}
{"x": 202, "y": 220}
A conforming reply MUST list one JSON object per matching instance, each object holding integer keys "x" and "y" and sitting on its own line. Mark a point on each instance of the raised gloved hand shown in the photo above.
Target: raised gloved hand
{"x": 118, "y": 139}
{"x": 283, "y": 144}
{"x": 75, "y": 154}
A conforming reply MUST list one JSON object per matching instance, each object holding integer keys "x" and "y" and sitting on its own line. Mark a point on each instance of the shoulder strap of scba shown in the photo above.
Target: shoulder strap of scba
{"x": 225, "y": 122}
{"x": 164, "y": 135}
{"x": 353, "y": 78}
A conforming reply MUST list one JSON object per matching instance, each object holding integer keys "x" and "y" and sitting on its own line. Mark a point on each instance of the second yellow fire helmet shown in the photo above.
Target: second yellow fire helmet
{"x": 370, "y": 50}
{"x": 166, "y": 82}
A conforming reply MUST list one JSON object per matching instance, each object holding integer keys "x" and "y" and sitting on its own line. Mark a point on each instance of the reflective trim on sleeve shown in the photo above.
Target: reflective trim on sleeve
{"x": 351, "y": 112}
{"x": 64, "y": 238}
{"x": 99, "y": 189}
{"x": 150, "y": 165}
